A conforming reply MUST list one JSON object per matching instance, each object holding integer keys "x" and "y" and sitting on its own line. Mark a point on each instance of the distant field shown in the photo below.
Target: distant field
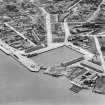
{"x": 56, "y": 56}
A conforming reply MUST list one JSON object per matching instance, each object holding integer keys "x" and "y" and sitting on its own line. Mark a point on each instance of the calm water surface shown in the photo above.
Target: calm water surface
{"x": 18, "y": 86}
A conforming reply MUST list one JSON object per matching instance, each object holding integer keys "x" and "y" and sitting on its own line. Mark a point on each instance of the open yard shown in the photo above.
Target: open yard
{"x": 56, "y": 56}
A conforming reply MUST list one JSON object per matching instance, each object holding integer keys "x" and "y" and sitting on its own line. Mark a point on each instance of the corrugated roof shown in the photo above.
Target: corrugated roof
{"x": 92, "y": 66}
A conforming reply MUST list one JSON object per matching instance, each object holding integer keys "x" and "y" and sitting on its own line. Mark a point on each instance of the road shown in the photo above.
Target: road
{"x": 67, "y": 32}
{"x": 48, "y": 27}
{"x": 20, "y": 34}
{"x": 100, "y": 52}
{"x": 95, "y": 13}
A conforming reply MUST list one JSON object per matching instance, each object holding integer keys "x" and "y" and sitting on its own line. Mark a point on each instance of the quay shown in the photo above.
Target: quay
{"x": 28, "y": 63}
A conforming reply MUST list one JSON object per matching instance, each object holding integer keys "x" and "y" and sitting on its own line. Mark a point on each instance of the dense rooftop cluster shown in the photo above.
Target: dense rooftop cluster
{"x": 24, "y": 18}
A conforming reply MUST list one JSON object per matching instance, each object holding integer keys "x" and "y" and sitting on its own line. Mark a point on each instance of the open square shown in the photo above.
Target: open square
{"x": 56, "y": 56}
